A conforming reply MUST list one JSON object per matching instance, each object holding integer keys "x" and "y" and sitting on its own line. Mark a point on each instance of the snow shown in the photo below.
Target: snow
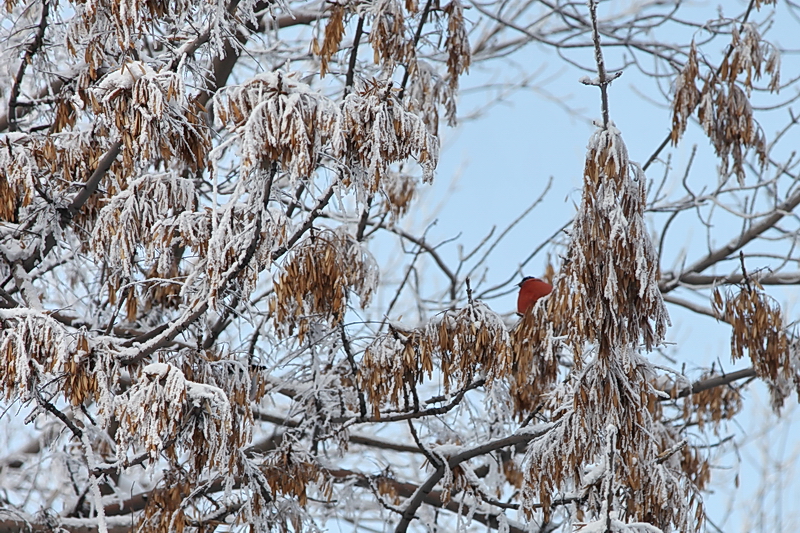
{"x": 159, "y": 370}
{"x": 124, "y": 78}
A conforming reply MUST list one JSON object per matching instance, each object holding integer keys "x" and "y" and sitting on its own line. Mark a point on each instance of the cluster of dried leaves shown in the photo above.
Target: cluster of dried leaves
{"x": 723, "y": 107}
{"x": 463, "y": 345}
{"x": 35, "y": 347}
{"x": 758, "y": 328}
{"x": 316, "y": 280}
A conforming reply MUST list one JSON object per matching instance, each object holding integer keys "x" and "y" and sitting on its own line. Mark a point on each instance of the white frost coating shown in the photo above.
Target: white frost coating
{"x": 200, "y": 392}
{"x": 391, "y": 135}
{"x": 29, "y": 293}
{"x": 91, "y": 523}
{"x": 140, "y": 218}
{"x": 447, "y": 450}
{"x": 611, "y": 138}
{"x": 706, "y": 110}
{"x": 619, "y": 224}
{"x": 154, "y": 412}
{"x": 599, "y": 526}
{"x": 12, "y": 137}
{"x": 123, "y": 78}
{"x": 157, "y": 370}
{"x": 536, "y": 429}
{"x": 91, "y": 460}
{"x": 611, "y": 288}
{"x": 48, "y": 356}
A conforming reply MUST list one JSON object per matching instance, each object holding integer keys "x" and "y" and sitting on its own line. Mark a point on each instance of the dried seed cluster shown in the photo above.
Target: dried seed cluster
{"x": 758, "y": 329}
{"x": 181, "y": 414}
{"x": 391, "y": 27}
{"x": 723, "y": 107}
{"x": 282, "y": 120}
{"x": 713, "y": 405}
{"x": 35, "y": 347}
{"x": 426, "y": 91}
{"x": 463, "y": 344}
{"x": 129, "y": 223}
{"x": 334, "y": 31}
{"x": 390, "y": 44}
{"x": 315, "y": 282}
{"x": 606, "y": 296}
{"x": 456, "y": 44}
{"x": 151, "y": 114}
{"x": 292, "y": 473}
{"x": 399, "y": 190}
{"x": 52, "y": 163}
{"x": 607, "y": 293}
{"x": 165, "y": 506}
{"x": 601, "y": 415}
{"x": 379, "y": 131}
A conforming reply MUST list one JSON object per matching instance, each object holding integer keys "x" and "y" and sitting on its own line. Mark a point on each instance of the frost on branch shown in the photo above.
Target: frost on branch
{"x": 35, "y": 350}
{"x": 151, "y": 114}
{"x": 316, "y": 280}
{"x": 648, "y": 483}
{"x": 164, "y": 411}
{"x": 279, "y": 119}
{"x": 607, "y": 293}
{"x": 465, "y": 344}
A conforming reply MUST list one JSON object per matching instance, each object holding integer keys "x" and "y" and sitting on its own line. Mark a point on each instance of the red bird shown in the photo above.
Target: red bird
{"x": 530, "y": 290}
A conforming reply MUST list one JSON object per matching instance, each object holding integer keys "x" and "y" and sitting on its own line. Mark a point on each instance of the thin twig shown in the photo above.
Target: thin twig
{"x": 49, "y": 407}
{"x": 417, "y": 36}
{"x": 603, "y": 80}
{"x": 362, "y": 404}
{"x": 27, "y": 58}
{"x": 351, "y": 68}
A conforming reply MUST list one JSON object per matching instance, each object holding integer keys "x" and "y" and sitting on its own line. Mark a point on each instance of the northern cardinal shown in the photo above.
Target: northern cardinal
{"x": 530, "y": 290}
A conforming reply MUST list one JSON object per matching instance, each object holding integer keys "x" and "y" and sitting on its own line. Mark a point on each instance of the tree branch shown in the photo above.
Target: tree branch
{"x": 413, "y": 503}
{"x": 30, "y": 51}
{"x": 735, "y": 244}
